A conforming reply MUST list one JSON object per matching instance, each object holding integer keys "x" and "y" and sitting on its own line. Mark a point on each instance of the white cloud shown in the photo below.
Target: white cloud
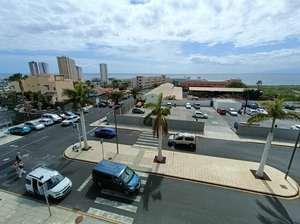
{"x": 153, "y": 31}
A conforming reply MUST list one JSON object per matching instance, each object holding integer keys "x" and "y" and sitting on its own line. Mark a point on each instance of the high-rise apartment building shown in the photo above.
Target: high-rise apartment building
{"x": 103, "y": 73}
{"x": 34, "y": 68}
{"x": 79, "y": 72}
{"x": 43, "y": 68}
{"x": 67, "y": 68}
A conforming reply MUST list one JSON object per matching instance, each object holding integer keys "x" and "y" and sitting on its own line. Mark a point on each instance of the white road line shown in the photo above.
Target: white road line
{"x": 146, "y": 175}
{"x": 145, "y": 146}
{"x": 110, "y": 215}
{"x": 121, "y": 195}
{"x": 85, "y": 183}
{"x": 116, "y": 204}
{"x": 143, "y": 182}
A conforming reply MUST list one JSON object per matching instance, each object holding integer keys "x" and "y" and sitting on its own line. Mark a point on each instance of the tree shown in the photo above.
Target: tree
{"x": 274, "y": 109}
{"x": 18, "y": 77}
{"x": 259, "y": 83}
{"x": 116, "y": 97}
{"x": 236, "y": 85}
{"x": 160, "y": 126}
{"x": 88, "y": 82}
{"x": 135, "y": 91}
{"x": 250, "y": 94}
{"x": 78, "y": 97}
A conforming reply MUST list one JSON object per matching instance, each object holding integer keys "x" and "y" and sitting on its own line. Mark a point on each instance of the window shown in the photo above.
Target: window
{"x": 127, "y": 175}
{"x": 189, "y": 139}
{"x": 179, "y": 138}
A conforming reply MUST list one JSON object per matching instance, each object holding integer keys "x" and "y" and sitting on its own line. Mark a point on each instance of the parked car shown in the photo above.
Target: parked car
{"x": 46, "y": 121}
{"x": 183, "y": 139}
{"x": 34, "y": 125}
{"x": 251, "y": 112}
{"x": 169, "y": 104}
{"x": 102, "y": 104}
{"x": 253, "y": 106}
{"x": 70, "y": 120}
{"x": 261, "y": 110}
{"x": 138, "y": 110}
{"x": 289, "y": 107}
{"x": 119, "y": 105}
{"x": 84, "y": 110}
{"x": 111, "y": 105}
{"x": 76, "y": 112}
{"x": 116, "y": 176}
{"x": 69, "y": 113}
{"x": 236, "y": 124}
{"x": 54, "y": 117}
{"x": 188, "y": 106}
{"x": 295, "y": 127}
{"x": 221, "y": 111}
{"x": 63, "y": 116}
{"x": 199, "y": 114}
{"x": 196, "y": 105}
{"x": 19, "y": 130}
{"x": 57, "y": 185}
{"x": 232, "y": 112}
{"x": 105, "y": 132}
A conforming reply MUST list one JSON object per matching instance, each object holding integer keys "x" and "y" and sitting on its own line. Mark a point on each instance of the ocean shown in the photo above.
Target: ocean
{"x": 248, "y": 79}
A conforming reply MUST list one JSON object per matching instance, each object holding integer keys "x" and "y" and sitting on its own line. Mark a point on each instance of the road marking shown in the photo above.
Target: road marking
{"x": 85, "y": 183}
{"x": 146, "y": 175}
{"x": 116, "y": 204}
{"x": 110, "y": 215}
{"x": 23, "y": 146}
{"x": 121, "y": 195}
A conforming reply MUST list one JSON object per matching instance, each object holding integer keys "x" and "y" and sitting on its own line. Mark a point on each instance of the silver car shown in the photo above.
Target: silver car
{"x": 199, "y": 114}
{"x": 70, "y": 120}
{"x": 34, "y": 125}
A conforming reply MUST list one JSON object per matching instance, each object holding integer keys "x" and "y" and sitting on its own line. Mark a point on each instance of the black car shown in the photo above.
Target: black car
{"x": 289, "y": 106}
{"x": 119, "y": 105}
{"x": 138, "y": 111}
{"x": 102, "y": 105}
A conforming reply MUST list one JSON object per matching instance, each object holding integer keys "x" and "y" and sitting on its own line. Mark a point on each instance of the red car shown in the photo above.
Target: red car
{"x": 221, "y": 111}
{"x": 63, "y": 116}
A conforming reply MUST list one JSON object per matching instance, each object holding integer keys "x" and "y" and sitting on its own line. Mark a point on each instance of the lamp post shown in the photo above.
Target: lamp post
{"x": 116, "y": 130}
{"x": 98, "y": 101}
{"x": 292, "y": 157}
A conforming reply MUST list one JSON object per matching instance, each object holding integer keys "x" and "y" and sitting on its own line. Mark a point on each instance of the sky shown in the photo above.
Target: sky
{"x": 152, "y": 36}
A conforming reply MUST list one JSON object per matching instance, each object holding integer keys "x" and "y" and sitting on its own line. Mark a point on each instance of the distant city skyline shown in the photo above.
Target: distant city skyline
{"x": 145, "y": 36}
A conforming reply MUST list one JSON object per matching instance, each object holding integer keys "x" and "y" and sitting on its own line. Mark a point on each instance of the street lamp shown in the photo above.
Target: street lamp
{"x": 292, "y": 157}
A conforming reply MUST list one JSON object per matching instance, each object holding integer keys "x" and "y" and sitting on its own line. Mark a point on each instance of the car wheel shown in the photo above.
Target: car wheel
{"x": 70, "y": 123}
{"x": 126, "y": 193}
{"x": 20, "y": 133}
{"x": 191, "y": 145}
{"x": 99, "y": 184}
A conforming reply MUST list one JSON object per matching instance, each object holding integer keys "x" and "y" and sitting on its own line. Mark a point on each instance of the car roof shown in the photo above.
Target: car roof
{"x": 186, "y": 134}
{"x": 110, "y": 167}
{"x": 108, "y": 129}
{"x": 44, "y": 172}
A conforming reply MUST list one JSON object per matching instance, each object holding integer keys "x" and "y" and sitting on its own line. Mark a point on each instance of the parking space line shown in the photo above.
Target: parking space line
{"x": 85, "y": 183}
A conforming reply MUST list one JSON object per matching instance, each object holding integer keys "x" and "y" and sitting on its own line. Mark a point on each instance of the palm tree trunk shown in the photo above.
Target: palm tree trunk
{"x": 82, "y": 121}
{"x": 260, "y": 171}
{"x": 160, "y": 135}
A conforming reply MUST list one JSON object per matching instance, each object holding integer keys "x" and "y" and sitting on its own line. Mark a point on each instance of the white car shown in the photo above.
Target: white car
{"x": 261, "y": 110}
{"x": 295, "y": 127}
{"x": 34, "y": 125}
{"x": 232, "y": 112}
{"x": 188, "y": 106}
{"x": 251, "y": 112}
{"x": 70, "y": 120}
{"x": 199, "y": 114}
{"x": 46, "y": 121}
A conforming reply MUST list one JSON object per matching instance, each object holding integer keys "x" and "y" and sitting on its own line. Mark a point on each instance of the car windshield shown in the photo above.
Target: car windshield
{"x": 35, "y": 123}
{"x": 127, "y": 175}
{"x": 55, "y": 180}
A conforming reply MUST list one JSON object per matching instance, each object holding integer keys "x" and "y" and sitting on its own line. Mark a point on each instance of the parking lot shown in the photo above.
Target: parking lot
{"x": 215, "y": 120}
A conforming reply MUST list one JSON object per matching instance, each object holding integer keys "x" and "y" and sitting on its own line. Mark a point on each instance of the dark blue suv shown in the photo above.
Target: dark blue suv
{"x": 105, "y": 132}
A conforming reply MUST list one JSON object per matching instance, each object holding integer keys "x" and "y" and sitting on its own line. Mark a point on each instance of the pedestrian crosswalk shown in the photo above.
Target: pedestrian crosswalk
{"x": 114, "y": 202}
{"x": 146, "y": 140}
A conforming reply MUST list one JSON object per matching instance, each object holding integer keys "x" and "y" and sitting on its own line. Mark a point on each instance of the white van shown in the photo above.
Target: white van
{"x": 43, "y": 178}
{"x": 54, "y": 117}
{"x": 183, "y": 139}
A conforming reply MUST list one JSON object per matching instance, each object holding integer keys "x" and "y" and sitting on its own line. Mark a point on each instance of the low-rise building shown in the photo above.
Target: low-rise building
{"x": 143, "y": 82}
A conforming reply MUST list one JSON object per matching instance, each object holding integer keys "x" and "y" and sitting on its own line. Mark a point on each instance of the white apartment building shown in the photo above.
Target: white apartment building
{"x": 103, "y": 72}
{"x": 143, "y": 82}
{"x": 34, "y": 68}
{"x": 67, "y": 68}
{"x": 79, "y": 72}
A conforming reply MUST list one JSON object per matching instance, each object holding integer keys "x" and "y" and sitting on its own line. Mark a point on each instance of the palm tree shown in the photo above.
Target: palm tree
{"x": 116, "y": 97}
{"x": 250, "y": 94}
{"x": 160, "y": 126}
{"x": 134, "y": 92}
{"x": 18, "y": 77}
{"x": 78, "y": 97}
{"x": 274, "y": 109}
